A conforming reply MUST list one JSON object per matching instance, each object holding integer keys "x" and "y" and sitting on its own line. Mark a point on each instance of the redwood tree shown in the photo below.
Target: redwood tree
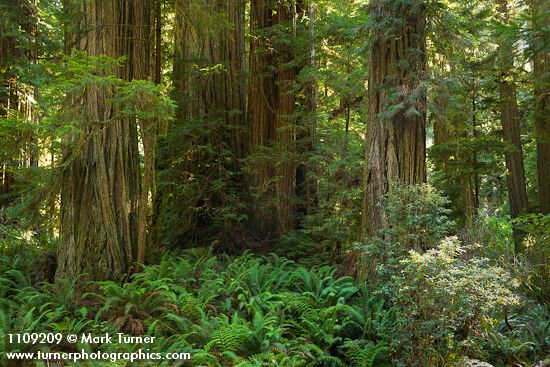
{"x": 517, "y": 192}
{"x": 396, "y": 136}
{"x": 449, "y": 127}
{"x": 205, "y": 142}
{"x": 270, "y": 121}
{"x": 18, "y": 50}
{"x": 100, "y": 177}
{"x": 541, "y": 73}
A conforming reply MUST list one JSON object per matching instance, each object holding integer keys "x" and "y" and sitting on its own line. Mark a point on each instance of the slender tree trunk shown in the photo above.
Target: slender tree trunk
{"x": 100, "y": 177}
{"x": 7, "y": 53}
{"x": 517, "y": 192}
{"x": 449, "y": 127}
{"x": 396, "y": 137}
{"x": 158, "y": 41}
{"x": 541, "y": 72}
{"x": 141, "y": 52}
{"x": 16, "y": 96}
{"x": 306, "y": 183}
{"x": 475, "y": 188}
{"x": 311, "y": 182}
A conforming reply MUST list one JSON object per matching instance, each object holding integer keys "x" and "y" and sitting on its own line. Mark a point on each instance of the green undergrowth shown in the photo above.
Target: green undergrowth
{"x": 224, "y": 311}
{"x": 252, "y": 311}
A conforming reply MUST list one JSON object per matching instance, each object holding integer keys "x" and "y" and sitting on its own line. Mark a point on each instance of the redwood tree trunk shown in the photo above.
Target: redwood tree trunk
{"x": 396, "y": 136}
{"x": 209, "y": 89}
{"x": 306, "y": 181}
{"x": 271, "y": 124}
{"x": 449, "y": 126}
{"x": 17, "y": 28}
{"x": 141, "y": 69}
{"x": 100, "y": 178}
{"x": 220, "y": 93}
{"x": 517, "y": 192}
{"x": 542, "y": 103}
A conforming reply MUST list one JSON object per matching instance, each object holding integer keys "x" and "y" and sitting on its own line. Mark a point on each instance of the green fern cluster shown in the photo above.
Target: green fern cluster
{"x": 520, "y": 339}
{"x": 225, "y": 311}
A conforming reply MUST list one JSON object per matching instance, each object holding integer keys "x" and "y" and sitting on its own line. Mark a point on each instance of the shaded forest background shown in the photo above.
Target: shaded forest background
{"x": 403, "y": 144}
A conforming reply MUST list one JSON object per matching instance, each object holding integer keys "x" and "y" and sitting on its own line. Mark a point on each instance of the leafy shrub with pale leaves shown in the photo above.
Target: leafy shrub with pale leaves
{"x": 439, "y": 294}
{"x": 442, "y": 299}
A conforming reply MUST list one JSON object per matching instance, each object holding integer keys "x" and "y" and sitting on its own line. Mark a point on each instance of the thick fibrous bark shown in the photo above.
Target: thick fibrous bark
{"x": 270, "y": 109}
{"x": 396, "y": 137}
{"x": 542, "y": 103}
{"x": 209, "y": 89}
{"x": 218, "y": 94}
{"x": 285, "y": 131}
{"x": 262, "y": 111}
{"x": 100, "y": 178}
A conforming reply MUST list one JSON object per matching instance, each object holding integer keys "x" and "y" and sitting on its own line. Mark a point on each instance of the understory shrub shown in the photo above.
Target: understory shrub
{"x": 442, "y": 301}
{"x": 440, "y": 294}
